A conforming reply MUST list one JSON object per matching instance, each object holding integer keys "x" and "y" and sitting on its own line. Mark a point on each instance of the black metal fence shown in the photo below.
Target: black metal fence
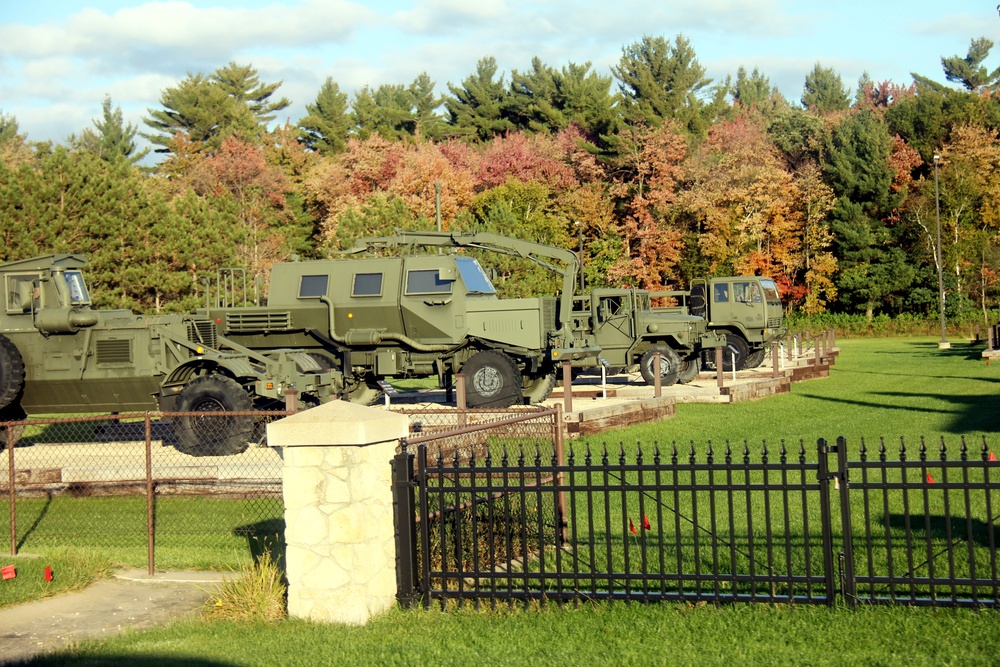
{"x": 133, "y": 486}
{"x": 771, "y": 525}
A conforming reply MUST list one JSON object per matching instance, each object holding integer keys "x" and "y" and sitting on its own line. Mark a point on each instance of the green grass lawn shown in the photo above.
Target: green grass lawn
{"x": 892, "y": 388}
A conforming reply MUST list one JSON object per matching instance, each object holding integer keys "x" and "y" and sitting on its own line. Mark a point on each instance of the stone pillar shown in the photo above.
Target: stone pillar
{"x": 340, "y": 556}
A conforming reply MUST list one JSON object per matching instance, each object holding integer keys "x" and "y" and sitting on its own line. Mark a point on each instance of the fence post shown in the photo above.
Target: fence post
{"x": 460, "y": 399}
{"x": 407, "y": 592}
{"x": 291, "y": 401}
{"x": 567, "y": 387}
{"x": 848, "y": 586}
{"x": 719, "y": 374}
{"x": 823, "y": 476}
{"x": 150, "y": 516}
{"x": 775, "y": 359}
{"x": 657, "y": 376}
{"x": 816, "y": 352}
{"x": 560, "y": 478}
{"x": 9, "y": 439}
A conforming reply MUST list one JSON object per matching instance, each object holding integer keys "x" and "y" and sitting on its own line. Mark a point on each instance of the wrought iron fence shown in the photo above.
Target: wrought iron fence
{"x": 730, "y": 526}
{"x": 145, "y": 484}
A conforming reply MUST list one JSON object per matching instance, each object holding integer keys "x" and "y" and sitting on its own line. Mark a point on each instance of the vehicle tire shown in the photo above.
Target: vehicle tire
{"x": 213, "y": 436}
{"x": 538, "y": 389}
{"x": 492, "y": 380}
{"x": 11, "y": 372}
{"x": 365, "y": 392}
{"x": 690, "y": 368}
{"x": 756, "y": 358}
{"x": 735, "y": 344}
{"x": 670, "y": 366}
{"x": 12, "y": 413}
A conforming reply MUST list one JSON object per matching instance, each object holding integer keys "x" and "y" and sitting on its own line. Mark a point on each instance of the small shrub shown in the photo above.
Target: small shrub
{"x": 258, "y": 594}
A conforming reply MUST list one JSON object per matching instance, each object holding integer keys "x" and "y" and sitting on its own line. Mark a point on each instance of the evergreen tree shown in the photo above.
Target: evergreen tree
{"x": 427, "y": 122}
{"x": 111, "y": 139}
{"x": 824, "y": 91}
{"x": 325, "y": 128}
{"x": 874, "y": 268}
{"x": 969, "y": 71}
{"x": 208, "y": 109}
{"x": 660, "y": 80}
{"x": 475, "y": 109}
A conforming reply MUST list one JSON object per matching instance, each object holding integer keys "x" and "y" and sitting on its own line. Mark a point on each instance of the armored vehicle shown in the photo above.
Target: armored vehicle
{"x": 58, "y": 355}
{"x": 417, "y": 314}
{"x": 746, "y": 310}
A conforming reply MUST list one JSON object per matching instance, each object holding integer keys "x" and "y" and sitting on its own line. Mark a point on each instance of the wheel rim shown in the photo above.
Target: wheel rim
{"x": 487, "y": 381}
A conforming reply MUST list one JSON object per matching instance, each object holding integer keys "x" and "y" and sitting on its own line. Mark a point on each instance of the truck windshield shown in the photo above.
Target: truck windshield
{"x": 476, "y": 281}
{"x": 77, "y": 288}
{"x": 770, "y": 292}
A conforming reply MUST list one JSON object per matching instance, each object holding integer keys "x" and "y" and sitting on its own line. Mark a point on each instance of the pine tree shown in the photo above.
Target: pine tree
{"x": 824, "y": 91}
{"x": 325, "y": 128}
{"x": 475, "y": 108}
{"x": 111, "y": 139}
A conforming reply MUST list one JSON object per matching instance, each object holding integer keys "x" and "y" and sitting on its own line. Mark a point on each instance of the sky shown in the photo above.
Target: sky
{"x": 60, "y": 58}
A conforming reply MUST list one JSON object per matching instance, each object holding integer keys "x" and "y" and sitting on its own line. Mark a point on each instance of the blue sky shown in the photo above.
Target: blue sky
{"x": 58, "y": 59}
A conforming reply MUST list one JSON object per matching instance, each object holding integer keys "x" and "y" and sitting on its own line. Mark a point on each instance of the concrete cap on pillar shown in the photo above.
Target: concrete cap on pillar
{"x": 337, "y": 423}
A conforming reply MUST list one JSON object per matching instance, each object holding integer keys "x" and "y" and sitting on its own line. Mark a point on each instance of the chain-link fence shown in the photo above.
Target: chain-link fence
{"x": 174, "y": 489}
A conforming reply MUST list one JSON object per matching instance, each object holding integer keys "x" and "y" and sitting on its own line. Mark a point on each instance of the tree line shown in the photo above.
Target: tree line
{"x": 656, "y": 173}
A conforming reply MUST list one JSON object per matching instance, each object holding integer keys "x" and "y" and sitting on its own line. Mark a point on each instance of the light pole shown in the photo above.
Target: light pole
{"x": 944, "y": 344}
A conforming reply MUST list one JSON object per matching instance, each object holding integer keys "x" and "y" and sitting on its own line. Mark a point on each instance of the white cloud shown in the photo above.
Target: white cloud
{"x": 182, "y": 30}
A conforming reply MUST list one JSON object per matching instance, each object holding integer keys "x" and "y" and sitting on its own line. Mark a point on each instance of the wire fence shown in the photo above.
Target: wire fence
{"x": 144, "y": 486}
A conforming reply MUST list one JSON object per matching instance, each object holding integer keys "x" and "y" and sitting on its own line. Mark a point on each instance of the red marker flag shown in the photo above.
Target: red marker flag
{"x": 993, "y": 457}
{"x": 48, "y": 573}
{"x": 930, "y": 480}
{"x": 8, "y": 572}
{"x": 631, "y": 527}
{"x": 645, "y": 522}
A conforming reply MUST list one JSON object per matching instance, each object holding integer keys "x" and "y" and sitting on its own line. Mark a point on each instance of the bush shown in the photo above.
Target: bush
{"x": 258, "y": 594}
{"x": 857, "y": 325}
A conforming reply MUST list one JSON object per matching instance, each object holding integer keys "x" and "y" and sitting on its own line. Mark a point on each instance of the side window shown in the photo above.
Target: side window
{"x": 367, "y": 284}
{"x": 311, "y": 287}
{"x": 426, "y": 281}
{"x": 21, "y": 294}
{"x": 721, "y": 293}
{"x": 77, "y": 288}
{"x": 741, "y": 292}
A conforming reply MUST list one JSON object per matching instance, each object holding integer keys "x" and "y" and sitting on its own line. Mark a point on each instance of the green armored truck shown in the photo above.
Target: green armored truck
{"x": 58, "y": 355}
{"x": 417, "y": 314}
{"x": 745, "y": 310}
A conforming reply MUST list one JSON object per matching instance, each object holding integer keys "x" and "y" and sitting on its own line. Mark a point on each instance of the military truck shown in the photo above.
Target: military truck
{"x": 746, "y": 310}
{"x": 58, "y": 355}
{"x": 630, "y": 332}
{"x": 425, "y": 314}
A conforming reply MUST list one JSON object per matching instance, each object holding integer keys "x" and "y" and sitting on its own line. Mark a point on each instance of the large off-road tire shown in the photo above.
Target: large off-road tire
{"x": 492, "y": 380}
{"x": 756, "y": 358}
{"x": 213, "y": 436}
{"x": 11, "y": 372}
{"x": 670, "y": 366}
{"x": 690, "y": 368}
{"x": 735, "y": 344}
{"x": 536, "y": 390}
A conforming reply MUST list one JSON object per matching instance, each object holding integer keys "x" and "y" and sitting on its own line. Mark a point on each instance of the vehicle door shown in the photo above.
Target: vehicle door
{"x": 614, "y": 323}
{"x": 747, "y": 303}
{"x": 432, "y": 300}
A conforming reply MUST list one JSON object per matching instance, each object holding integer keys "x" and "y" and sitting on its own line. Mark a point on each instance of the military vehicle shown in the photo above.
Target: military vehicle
{"x": 630, "y": 333}
{"x": 58, "y": 355}
{"x": 418, "y": 314}
{"x": 746, "y": 310}
{"x": 425, "y": 314}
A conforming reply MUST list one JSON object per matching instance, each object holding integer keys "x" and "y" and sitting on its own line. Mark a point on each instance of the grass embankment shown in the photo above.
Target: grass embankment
{"x": 889, "y": 387}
